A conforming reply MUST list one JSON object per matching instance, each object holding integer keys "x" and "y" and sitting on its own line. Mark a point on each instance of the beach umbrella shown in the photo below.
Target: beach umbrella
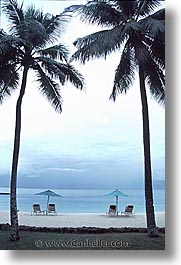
{"x": 48, "y": 193}
{"x": 117, "y": 193}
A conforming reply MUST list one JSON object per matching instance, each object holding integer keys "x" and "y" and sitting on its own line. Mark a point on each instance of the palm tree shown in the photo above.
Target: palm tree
{"x": 30, "y": 46}
{"x": 134, "y": 29}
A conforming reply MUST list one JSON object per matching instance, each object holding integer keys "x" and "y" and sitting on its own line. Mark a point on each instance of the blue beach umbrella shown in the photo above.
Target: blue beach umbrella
{"x": 117, "y": 193}
{"x": 48, "y": 193}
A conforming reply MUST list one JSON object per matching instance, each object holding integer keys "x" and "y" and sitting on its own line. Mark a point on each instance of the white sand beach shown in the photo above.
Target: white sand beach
{"x": 80, "y": 220}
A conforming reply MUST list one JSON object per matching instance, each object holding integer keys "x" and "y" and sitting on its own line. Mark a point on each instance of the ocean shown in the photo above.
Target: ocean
{"x": 82, "y": 201}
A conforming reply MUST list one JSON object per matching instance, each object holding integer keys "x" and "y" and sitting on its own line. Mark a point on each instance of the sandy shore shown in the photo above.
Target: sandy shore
{"x": 79, "y": 220}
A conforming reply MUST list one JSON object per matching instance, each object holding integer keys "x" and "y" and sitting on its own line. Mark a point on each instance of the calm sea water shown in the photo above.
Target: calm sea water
{"x": 82, "y": 201}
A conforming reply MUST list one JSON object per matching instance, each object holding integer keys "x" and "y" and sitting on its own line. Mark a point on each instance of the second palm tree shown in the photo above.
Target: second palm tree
{"x": 141, "y": 32}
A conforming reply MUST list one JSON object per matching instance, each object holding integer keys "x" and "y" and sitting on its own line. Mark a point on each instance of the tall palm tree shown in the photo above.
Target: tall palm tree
{"x": 134, "y": 29}
{"x": 30, "y": 46}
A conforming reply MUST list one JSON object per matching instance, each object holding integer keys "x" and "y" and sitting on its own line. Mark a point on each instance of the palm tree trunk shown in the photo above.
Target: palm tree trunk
{"x": 150, "y": 215}
{"x": 14, "y": 235}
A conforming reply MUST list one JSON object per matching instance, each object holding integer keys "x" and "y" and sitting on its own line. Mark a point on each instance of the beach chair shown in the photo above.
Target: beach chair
{"x": 37, "y": 210}
{"x": 128, "y": 211}
{"x": 51, "y": 209}
{"x": 112, "y": 210}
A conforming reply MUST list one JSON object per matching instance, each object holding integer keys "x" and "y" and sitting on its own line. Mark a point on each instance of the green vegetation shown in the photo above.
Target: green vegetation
{"x": 63, "y": 241}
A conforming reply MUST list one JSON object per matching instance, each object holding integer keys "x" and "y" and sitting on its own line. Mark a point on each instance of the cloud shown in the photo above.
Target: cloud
{"x": 65, "y": 169}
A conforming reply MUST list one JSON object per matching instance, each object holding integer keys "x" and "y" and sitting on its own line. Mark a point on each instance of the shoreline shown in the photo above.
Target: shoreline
{"x": 75, "y": 220}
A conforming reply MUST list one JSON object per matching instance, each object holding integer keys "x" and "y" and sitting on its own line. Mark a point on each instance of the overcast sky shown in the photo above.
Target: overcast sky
{"x": 93, "y": 143}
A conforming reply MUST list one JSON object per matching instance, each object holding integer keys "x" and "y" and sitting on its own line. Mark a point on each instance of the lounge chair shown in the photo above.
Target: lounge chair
{"x": 128, "y": 211}
{"x": 51, "y": 209}
{"x": 37, "y": 210}
{"x": 112, "y": 210}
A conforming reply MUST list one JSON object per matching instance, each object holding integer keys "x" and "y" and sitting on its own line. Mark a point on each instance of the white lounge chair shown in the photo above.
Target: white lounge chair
{"x": 37, "y": 210}
{"x": 112, "y": 210}
{"x": 128, "y": 211}
{"x": 51, "y": 209}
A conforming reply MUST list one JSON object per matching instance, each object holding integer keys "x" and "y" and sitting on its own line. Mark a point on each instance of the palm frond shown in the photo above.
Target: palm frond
{"x": 146, "y": 46}
{"x": 87, "y": 40}
{"x": 125, "y": 72}
{"x": 153, "y": 26}
{"x": 73, "y": 9}
{"x": 133, "y": 27}
{"x": 58, "y": 52}
{"x": 63, "y": 72}
{"x": 103, "y": 13}
{"x": 49, "y": 89}
{"x": 153, "y": 72}
{"x": 24, "y": 24}
{"x": 33, "y": 30}
{"x": 159, "y": 15}
{"x": 127, "y": 7}
{"x": 51, "y": 69}
{"x": 99, "y": 44}
{"x": 9, "y": 80}
{"x": 51, "y": 26}
{"x": 9, "y": 48}
{"x": 15, "y": 14}
{"x": 154, "y": 30}
{"x": 10, "y": 39}
{"x": 155, "y": 79}
{"x": 54, "y": 26}
{"x": 33, "y": 13}
{"x": 34, "y": 33}
{"x": 157, "y": 51}
{"x": 146, "y": 7}
{"x": 71, "y": 75}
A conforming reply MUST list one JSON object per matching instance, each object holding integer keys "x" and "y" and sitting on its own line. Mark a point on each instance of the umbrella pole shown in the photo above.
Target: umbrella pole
{"x": 117, "y": 204}
{"x": 47, "y": 204}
